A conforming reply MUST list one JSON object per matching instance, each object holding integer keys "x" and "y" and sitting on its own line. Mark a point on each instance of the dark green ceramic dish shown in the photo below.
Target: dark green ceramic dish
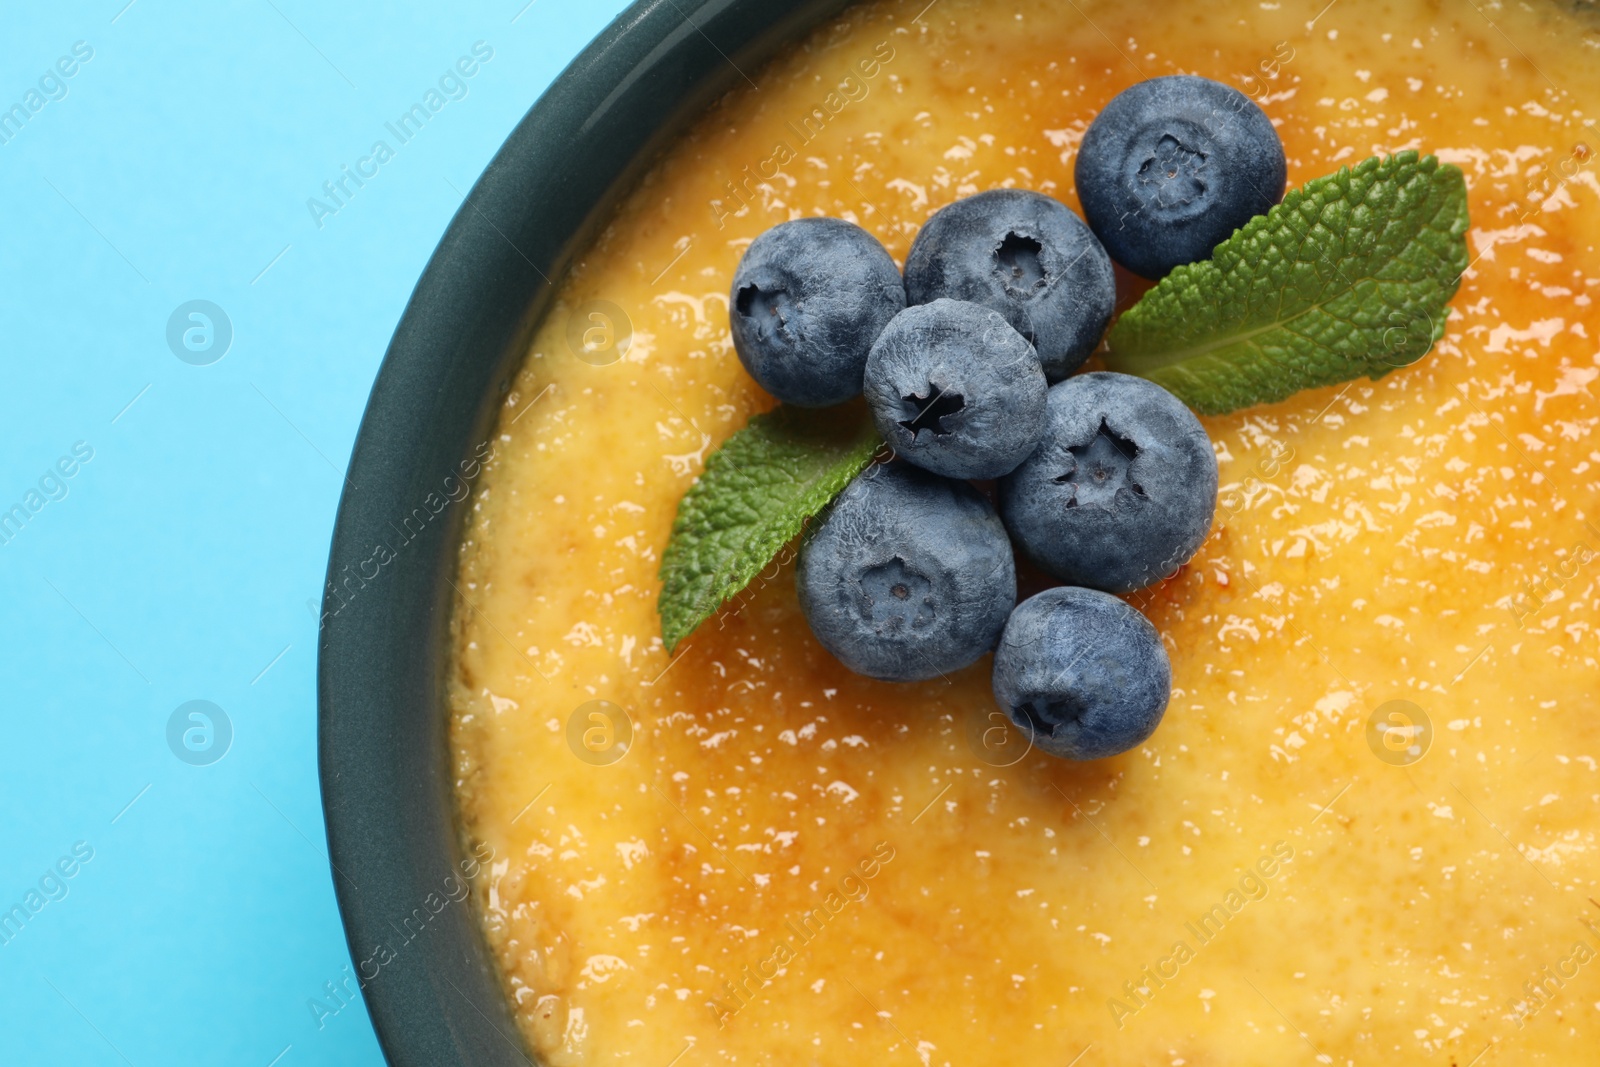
{"x": 427, "y": 974}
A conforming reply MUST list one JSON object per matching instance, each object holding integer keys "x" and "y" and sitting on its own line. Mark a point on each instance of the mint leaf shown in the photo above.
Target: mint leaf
{"x": 1350, "y": 275}
{"x": 754, "y": 496}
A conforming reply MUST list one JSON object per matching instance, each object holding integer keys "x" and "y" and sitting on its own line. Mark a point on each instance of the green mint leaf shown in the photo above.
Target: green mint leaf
{"x": 1350, "y": 275}
{"x": 755, "y": 494}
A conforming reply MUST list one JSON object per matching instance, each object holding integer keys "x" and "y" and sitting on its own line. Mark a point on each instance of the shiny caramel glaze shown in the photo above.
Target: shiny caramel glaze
{"x": 794, "y": 865}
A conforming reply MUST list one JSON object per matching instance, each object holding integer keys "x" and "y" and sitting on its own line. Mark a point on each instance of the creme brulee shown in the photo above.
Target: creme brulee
{"x": 790, "y": 864}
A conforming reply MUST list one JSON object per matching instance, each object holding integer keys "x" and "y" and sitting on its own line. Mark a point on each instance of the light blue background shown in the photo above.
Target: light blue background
{"x": 183, "y": 562}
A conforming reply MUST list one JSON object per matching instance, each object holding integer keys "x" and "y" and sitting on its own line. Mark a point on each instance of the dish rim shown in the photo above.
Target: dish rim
{"x": 397, "y": 856}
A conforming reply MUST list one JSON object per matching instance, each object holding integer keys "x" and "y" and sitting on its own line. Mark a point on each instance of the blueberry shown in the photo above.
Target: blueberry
{"x": 809, "y": 298}
{"x": 1172, "y": 167}
{"x": 1082, "y": 673}
{"x": 908, "y": 577}
{"x": 955, "y": 390}
{"x": 1029, "y": 258}
{"x": 1121, "y": 490}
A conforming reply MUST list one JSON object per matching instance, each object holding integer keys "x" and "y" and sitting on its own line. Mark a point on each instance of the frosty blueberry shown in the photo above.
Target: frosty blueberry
{"x": 908, "y": 577}
{"x": 1172, "y": 167}
{"x": 955, "y": 390}
{"x": 809, "y": 298}
{"x": 1026, "y": 256}
{"x": 1122, "y": 488}
{"x": 1082, "y": 673}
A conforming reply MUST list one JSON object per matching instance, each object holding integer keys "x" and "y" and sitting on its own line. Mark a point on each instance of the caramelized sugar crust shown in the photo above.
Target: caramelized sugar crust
{"x": 793, "y": 865}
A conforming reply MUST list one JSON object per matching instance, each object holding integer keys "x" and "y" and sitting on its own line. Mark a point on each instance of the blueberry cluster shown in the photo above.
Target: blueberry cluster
{"x": 1104, "y": 481}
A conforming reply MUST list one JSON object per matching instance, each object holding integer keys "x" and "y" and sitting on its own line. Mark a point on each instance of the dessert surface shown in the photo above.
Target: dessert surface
{"x": 746, "y": 854}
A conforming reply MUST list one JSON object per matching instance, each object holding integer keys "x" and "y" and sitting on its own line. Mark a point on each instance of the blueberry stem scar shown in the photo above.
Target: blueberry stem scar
{"x": 1103, "y": 465}
{"x": 1017, "y": 260}
{"x": 930, "y": 411}
{"x": 756, "y": 303}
